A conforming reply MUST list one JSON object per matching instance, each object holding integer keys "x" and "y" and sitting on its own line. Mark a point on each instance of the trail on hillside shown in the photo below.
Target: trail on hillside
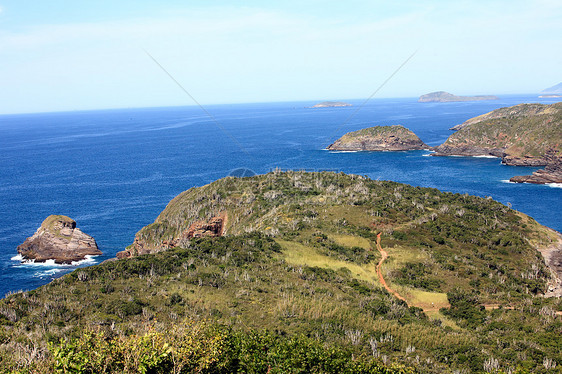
{"x": 379, "y": 271}
{"x": 384, "y": 256}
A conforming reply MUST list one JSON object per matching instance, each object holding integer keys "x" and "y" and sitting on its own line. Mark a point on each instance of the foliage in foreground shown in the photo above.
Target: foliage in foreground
{"x": 198, "y": 348}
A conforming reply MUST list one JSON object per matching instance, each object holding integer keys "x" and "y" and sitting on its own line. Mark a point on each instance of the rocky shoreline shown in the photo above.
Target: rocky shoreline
{"x": 552, "y": 173}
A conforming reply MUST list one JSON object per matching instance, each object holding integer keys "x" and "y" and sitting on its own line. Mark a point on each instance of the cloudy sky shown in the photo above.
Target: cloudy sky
{"x": 90, "y": 54}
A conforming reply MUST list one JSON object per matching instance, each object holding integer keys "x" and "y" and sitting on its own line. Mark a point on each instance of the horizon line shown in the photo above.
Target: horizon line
{"x": 241, "y": 103}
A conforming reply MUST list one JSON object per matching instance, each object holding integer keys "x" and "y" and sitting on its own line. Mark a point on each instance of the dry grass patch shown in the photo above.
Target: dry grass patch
{"x": 299, "y": 254}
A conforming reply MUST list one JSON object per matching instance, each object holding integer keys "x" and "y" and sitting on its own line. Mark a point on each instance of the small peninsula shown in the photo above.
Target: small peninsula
{"x": 446, "y": 97}
{"x": 379, "y": 138}
{"x": 331, "y": 104}
{"x": 58, "y": 239}
{"x": 521, "y": 135}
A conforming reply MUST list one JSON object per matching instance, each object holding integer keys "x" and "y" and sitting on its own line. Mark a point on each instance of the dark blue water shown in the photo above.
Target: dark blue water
{"x": 114, "y": 171}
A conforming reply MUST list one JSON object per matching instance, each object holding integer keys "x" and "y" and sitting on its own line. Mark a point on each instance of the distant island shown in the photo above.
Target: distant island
{"x": 379, "y": 138}
{"x": 446, "y": 97}
{"x": 549, "y": 96}
{"x": 521, "y": 135}
{"x": 554, "y": 90}
{"x": 331, "y": 104}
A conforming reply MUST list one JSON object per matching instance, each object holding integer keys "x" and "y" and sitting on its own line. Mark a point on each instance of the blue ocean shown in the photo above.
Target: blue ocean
{"x": 114, "y": 171}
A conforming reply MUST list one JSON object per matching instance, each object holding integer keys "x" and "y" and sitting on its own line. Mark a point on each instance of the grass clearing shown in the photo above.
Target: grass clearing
{"x": 397, "y": 257}
{"x": 445, "y": 321}
{"x": 299, "y": 254}
{"x": 351, "y": 241}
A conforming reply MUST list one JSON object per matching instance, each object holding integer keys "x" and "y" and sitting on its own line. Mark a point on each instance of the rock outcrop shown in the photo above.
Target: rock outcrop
{"x": 330, "y": 104}
{"x": 58, "y": 239}
{"x": 215, "y": 226}
{"x": 446, "y": 97}
{"x": 379, "y": 138}
{"x": 552, "y": 173}
{"x": 521, "y": 135}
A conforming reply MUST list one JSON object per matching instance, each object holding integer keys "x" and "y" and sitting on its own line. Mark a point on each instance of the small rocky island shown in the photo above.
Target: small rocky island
{"x": 379, "y": 138}
{"x": 58, "y": 239}
{"x": 446, "y": 97}
{"x": 331, "y": 104}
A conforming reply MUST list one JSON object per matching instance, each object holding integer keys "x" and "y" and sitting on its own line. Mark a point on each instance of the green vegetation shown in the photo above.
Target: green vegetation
{"x": 525, "y": 130}
{"x": 382, "y": 131}
{"x": 292, "y": 287}
{"x": 52, "y": 224}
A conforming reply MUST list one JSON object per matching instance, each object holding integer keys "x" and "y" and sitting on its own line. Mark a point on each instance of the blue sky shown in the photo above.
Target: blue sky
{"x": 61, "y": 55}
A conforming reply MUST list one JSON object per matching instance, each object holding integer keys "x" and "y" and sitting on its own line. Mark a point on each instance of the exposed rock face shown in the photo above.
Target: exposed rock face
{"x": 330, "y": 104}
{"x": 58, "y": 239}
{"x": 521, "y": 135}
{"x": 379, "y": 138}
{"x": 445, "y": 97}
{"x": 213, "y": 227}
{"x": 552, "y": 173}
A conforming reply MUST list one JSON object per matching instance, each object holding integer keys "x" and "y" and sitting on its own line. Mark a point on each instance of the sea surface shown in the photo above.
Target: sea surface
{"x": 114, "y": 171}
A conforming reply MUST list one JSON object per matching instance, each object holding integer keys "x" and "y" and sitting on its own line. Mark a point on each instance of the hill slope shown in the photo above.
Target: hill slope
{"x": 556, "y": 89}
{"x": 297, "y": 254}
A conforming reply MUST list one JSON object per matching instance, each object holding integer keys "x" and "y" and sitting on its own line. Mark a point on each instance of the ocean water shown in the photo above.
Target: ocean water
{"x": 114, "y": 171}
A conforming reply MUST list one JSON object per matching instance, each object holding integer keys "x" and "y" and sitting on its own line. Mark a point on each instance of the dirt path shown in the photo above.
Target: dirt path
{"x": 384, "y": 256}
{"x": 379, "y": 271}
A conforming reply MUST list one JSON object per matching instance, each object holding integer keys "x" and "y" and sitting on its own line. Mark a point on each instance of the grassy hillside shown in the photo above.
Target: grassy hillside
{"x": 525, "y": 130}
{"x": 294, "y": 287}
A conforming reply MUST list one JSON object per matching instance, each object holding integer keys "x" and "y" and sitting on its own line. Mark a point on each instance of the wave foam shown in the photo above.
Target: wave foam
{"x": 88, "y": 260}
{"x": 554, "y": 185}
{"x": 485, "y": 156}
{"x": 47, "y": 273}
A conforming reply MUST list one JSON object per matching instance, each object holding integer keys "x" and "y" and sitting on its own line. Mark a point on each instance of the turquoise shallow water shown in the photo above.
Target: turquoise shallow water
{"x": 113, "y": 171}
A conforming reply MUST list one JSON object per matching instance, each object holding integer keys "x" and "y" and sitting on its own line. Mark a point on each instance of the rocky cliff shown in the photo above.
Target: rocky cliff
{"x": 552, "y": 173}
{"x": 379, "y": 138}
{"x": 213, "y": 227}
{"x": 446, "y": 97}
{"x": 521, "y": 135}
{"x": 58, "y": 239}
